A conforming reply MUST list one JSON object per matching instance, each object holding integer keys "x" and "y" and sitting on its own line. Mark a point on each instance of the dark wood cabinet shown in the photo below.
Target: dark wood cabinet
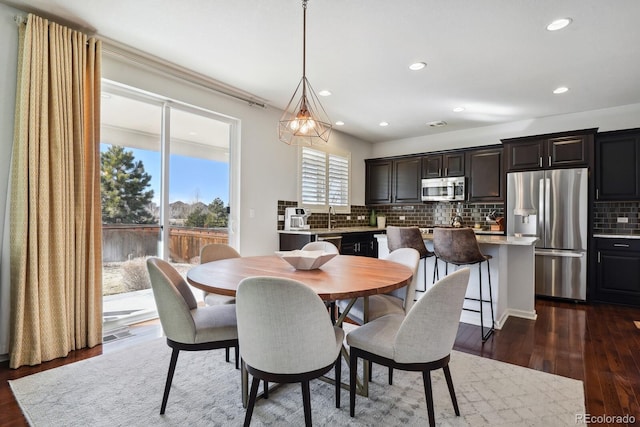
{"x": 407, "y": 180}
{"x": 378, "y": 181}
{"x": 560, "y": 150}
{"x": 485, "y": 175}
{"x": 393, "y": 180}
{"x": 359, "y": 244}
{"x": 617, "y": 271}
{"x": 617, "y": 165}
{"x": 443, "y": 165}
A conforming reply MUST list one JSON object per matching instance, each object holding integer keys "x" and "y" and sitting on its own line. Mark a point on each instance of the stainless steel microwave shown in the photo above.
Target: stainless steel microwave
{"x": 443, "y": 189}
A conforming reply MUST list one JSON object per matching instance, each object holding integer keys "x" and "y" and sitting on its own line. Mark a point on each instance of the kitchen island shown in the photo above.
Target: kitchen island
{"x": 512, "y": 276}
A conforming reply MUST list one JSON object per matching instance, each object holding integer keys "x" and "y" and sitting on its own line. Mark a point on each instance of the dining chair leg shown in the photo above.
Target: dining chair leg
{"x": 426, "y": 379}
{"x": 390, "y": 375}
{"x": 452, "y": 392}
{"x": 353, "y": 367}
{"x": 253, "y": 394}
{"x": 265, "y": 389}
{"x": 338, "y": 382}
{"x": 237, "y": 351}
{"x": 226, "y": 354}
{"x": 167, "y": 386}
{"x": 306, "y": 403}
{"x": 370, "y": 370}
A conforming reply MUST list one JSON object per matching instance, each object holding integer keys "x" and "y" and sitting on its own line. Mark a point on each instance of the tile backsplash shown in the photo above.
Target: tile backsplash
{"x": 421, "y": 215}
{"x": 607, "y": 214}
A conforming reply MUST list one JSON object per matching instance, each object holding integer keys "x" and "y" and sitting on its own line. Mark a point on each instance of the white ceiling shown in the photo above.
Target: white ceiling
{"x": 493, "y": 57}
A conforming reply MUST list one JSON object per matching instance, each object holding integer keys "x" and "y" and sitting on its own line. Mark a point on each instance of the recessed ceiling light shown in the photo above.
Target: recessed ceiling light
{"x": 339, "y": 123}
{"x": 417, "y": 66}
{"x": 458, "y": 109}
{"x": 383, "y": 124}
{"x": 324, "y": 93}
{"x": 192, "y": 133}
{"x": 559, "y": 24}
{"x": 105, "y": 96}
{"x": 437, "y": 124}
{"x": 561, "y": 89}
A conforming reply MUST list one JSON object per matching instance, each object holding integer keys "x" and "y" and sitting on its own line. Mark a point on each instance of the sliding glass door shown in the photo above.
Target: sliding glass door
{"x": 165, "y": 182}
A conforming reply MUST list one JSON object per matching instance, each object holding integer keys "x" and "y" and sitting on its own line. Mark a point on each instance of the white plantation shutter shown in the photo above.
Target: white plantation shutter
{"x": 324, "y": 180}
{"x": 338, "y": 181}
{"x": 314, "y": 177}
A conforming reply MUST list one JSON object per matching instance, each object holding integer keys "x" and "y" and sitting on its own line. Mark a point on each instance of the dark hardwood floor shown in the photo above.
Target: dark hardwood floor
{"x": 596, "y": 343}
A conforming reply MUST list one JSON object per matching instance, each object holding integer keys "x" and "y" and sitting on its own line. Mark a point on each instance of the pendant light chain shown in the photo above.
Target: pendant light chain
{"x": 307, "y": 123}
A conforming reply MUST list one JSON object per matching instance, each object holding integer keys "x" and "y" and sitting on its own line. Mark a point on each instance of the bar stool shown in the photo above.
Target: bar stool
{"x": 410, "y": 237}
{"x": 459, "y": 246}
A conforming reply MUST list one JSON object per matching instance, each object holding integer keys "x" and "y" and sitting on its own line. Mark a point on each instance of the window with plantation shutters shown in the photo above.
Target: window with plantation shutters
{"x": 324, "y": 180}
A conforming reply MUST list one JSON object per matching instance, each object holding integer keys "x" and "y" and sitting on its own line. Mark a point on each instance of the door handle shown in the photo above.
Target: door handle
{"x": 621, "y": 245}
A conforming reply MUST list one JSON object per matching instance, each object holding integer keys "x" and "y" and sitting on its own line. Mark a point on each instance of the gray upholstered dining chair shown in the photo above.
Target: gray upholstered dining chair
{"x": 398, "y": 301}
{"x": 215, "y": 252}
{"x": 187, "y": 326}
{"x": 321, "y": 246}
{"x": 285, "y": 336}
{"x": 420, "y": 341}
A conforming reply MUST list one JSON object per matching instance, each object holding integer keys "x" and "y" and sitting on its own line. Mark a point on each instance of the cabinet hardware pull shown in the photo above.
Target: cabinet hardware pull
{"x": 597, "y": 193}
{"x": 549, "y": 161}
{"x": 598, "y": 257}
{"x": 445, "y": 171}
{"x": 439, "y": 171}
{"x": 540, "y": 161}
{"x": 621, "y": 245}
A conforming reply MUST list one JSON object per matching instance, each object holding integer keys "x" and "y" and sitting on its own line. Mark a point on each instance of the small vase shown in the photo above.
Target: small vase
{"x": 373, "y": 219}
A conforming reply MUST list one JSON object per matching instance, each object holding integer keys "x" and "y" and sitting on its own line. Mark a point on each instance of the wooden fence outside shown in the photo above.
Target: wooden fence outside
{"x": 126, "y": 242}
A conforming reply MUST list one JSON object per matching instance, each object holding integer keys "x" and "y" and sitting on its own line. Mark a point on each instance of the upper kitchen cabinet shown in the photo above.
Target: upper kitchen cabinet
{"x": 393, "y": 180}
{"x": 617, "y": 165}
{"x": 378, "y": 173}
{"x": 443, "y": 165}
{"x": 559, "y": 150}
{"x": 485, "y": 175}
{"x": 407, "y": 178}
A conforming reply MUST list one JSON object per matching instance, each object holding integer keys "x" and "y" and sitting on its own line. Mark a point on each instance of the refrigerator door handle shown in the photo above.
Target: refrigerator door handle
{"x": 559, "y": 253}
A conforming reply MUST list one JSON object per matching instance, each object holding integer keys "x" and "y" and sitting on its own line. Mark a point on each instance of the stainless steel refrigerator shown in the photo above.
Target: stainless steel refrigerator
{"x": 552, "y": 205}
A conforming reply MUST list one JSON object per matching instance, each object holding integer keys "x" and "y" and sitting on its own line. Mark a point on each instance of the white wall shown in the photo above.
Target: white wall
{"x": 616, "y": 118}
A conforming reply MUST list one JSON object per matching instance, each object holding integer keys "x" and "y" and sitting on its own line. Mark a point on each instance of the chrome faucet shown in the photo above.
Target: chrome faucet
{"x": 331, "y": 211}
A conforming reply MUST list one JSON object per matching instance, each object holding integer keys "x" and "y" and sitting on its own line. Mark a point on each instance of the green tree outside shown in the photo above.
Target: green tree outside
{"x": 124, "y": 188}
{"x": 214, "y": 216}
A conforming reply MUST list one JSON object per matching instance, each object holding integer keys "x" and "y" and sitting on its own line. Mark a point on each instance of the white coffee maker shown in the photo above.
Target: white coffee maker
{"x": 296, "y": 219}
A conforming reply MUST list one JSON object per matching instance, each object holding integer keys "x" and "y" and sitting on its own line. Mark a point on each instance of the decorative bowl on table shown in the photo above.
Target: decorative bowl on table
{"x": 306, "y": 260}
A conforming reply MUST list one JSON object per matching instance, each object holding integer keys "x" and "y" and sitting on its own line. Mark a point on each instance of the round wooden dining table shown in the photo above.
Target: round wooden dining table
{"x": 343, "y": 277}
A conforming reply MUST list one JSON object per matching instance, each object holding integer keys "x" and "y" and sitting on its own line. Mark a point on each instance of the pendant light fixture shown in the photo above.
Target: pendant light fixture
{"x": 306, "y": 123}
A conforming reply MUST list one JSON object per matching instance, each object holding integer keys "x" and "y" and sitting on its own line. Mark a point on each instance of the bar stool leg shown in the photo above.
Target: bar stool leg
{"x": 485, "y": 336}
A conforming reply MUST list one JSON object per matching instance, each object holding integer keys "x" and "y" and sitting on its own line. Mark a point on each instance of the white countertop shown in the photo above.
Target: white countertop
{"x": 617, "y": 236}
{"x": 487, "y": 239}
{"x": 342, "y": 230}
{"x": 329, "y": 231}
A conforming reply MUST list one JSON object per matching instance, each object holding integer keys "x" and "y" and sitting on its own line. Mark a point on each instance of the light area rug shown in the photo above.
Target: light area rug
{"x": 125, "y": 388}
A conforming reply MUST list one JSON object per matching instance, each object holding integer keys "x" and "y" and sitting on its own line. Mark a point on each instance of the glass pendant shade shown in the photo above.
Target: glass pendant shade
{"x": 304, "y": 122}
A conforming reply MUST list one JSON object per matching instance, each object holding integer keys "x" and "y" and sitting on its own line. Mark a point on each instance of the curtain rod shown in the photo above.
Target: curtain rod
{"x": 118, "y": 50}
{"x": 20, "y": 19}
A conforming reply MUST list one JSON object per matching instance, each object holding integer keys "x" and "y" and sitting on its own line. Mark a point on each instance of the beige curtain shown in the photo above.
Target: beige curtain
{"x": 56, "y": 253}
